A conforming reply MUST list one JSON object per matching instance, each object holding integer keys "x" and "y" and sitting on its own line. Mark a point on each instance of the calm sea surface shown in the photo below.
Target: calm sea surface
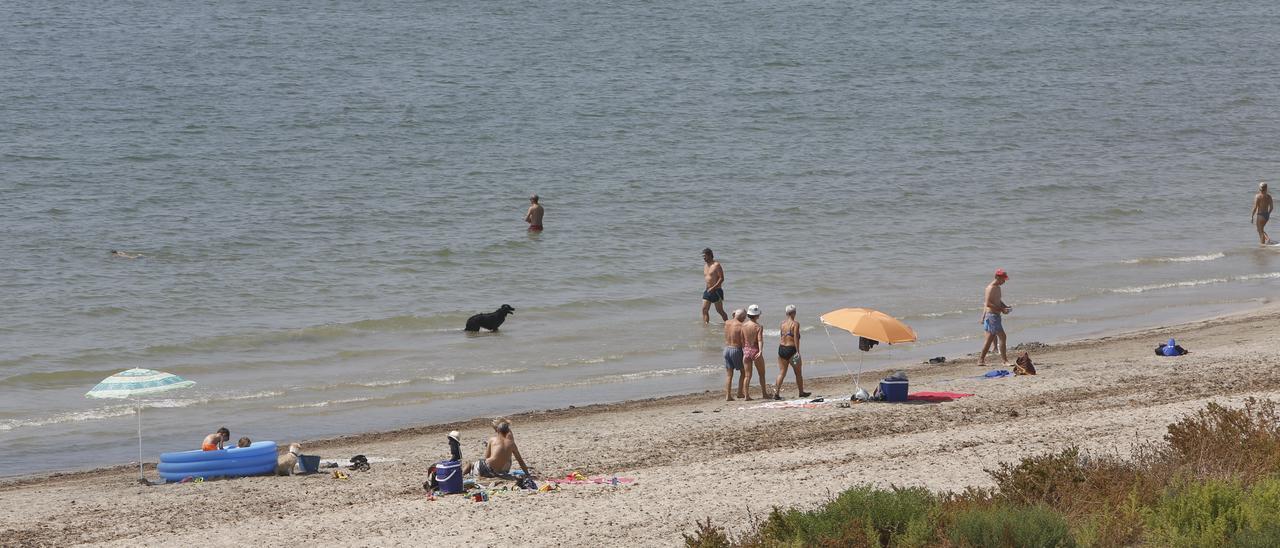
{"x": 324, "y": 192}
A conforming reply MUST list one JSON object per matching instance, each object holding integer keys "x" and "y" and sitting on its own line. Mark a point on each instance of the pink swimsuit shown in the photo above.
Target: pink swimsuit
{"x": 749, "y": 353}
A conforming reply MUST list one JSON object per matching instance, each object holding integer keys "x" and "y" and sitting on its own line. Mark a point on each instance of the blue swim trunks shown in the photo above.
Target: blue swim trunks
{"x": 991, "y": 323}
{"x": 733, "y": 358}
{"x": 713, "y": 295}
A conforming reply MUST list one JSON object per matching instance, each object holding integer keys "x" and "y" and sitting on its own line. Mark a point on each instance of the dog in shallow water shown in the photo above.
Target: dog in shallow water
{"x": 489, "y": 321}
{"x": 287, "y": 461}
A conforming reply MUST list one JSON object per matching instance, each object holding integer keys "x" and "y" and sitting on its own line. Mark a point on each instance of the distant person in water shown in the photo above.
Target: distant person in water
{"x": 993, "y": 308}
{"x": 714, "y": 292}
{"x": 752, "y": 354}
{"x": 215, "y": 441}
{"x": 1262, "y": 206}
{"x": 123, "y": 255}
{"x": 733, "y": 355}
{"x": 789, "y": 353}
{"x": 534, "y": 215}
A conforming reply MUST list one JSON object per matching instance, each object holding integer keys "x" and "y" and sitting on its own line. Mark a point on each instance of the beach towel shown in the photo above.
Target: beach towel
{"x": 576, "y": 478}
{"x": 804, "y": 403}
{"x": 996, "y": 373}
{"x": 937, "y": 397}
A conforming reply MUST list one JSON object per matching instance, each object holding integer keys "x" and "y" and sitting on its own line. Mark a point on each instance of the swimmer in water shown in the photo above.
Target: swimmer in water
{"x": 124, "y": 255}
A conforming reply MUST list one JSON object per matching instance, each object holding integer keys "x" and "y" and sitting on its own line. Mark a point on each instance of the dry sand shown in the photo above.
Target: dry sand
{"x": 693, "y": 456}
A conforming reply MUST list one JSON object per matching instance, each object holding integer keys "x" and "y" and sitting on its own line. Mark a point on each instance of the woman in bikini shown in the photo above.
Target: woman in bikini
{"x": 789, "y": 353}
{"x": 752, "y": 342}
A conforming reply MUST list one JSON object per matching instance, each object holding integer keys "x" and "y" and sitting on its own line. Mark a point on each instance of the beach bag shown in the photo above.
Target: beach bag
{"x": 1171, "y": 348}
{"x": 1024, "y": 366}
{"x": 865, "y": 344}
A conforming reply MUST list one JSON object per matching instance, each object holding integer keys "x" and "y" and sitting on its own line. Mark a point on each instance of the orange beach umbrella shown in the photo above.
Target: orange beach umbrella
{"x": 872, "y": 324}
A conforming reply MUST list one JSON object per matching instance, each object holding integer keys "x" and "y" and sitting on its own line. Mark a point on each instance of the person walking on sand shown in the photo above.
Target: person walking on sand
{"x": 714, "y": 293}
{"x": 1262, "y": 206}
{"x": 789, "y": 353}
{"x": 534, "y": 215}
{"x": 498, "y": 452}
{"x": 752, "y": 342}
{"x": 992, "y": 308}
{"x": 733, "y": 354}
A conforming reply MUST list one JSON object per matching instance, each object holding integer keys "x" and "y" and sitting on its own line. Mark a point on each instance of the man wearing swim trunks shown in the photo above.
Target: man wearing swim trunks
{"x": 498, "y": 452}
{"x": 1262, "y": 206}
{"x": 992, "y": 308}
{"x": 789, "y": 353}
{"x": 752, "y": 342}
{"x": 534, "y": 215}
{"x": 714, "y": 293}
{"x": 733, "y": 354}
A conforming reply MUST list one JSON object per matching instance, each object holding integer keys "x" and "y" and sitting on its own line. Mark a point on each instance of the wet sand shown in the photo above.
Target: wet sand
{"x": 693, "y": 456}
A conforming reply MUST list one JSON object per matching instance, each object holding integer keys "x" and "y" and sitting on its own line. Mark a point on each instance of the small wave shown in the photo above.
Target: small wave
{"x": 1267, "y": 276}
{"x": 380, "y": 384}
{"x": 325, "y": 403}
{"x": 1186, "y": 259}
{"x": 112, "y": 411}
{"x": 507, "y": 371}
{"x": 1170, "y": 285}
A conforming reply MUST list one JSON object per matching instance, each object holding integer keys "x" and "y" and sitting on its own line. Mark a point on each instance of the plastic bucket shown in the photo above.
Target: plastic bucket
{"x": 894, "y": 390}
{"x": 449, "y": 476}
{"x": 310, "y": 463}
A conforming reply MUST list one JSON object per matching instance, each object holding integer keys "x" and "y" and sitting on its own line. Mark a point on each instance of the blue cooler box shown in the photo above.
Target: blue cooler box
{"x": 894, "y": 390}
{"x": 449, "y": 474}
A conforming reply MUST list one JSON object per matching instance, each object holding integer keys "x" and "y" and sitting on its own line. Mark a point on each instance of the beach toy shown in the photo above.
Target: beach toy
{"x": 449, "y": 476}
{"x": 257, "y": 459}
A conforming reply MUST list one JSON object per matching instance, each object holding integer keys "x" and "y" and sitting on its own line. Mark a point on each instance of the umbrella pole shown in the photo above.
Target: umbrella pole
{"x": 139, "y": 414}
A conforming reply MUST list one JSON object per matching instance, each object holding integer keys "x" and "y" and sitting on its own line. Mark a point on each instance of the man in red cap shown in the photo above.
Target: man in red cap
{"x": 992, "y": 308}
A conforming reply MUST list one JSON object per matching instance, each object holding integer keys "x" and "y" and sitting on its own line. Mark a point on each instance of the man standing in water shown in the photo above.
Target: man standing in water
{"x": 1262, "y": 206}
{"x": 714, "y": 293}
{"x": 733, "y": 355}
{"x": 992, "y": 308}
{"x": 534, "y": 215}
{"x": 789, "y": 353}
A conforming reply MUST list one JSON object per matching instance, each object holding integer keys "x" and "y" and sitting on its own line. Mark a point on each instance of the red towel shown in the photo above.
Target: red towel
{"x": 937, "y": 397}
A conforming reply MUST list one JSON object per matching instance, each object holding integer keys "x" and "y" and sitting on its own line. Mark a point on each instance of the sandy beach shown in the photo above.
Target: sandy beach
{"x": 692, "y": 457}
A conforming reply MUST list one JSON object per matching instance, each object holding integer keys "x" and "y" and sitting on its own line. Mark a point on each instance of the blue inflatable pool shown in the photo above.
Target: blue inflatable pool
{"x": 256, "y": 459}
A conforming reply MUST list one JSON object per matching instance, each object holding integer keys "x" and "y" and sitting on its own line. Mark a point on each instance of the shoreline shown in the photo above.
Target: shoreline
{"x": 535, "y": 416}
{"x": 692, "y": 457}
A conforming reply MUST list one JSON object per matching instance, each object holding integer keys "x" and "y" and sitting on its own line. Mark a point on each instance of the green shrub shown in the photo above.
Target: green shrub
{"x": 1196, "y": 514}
{"x": 863, "y": 516}
{"x": 1010, "y": 526}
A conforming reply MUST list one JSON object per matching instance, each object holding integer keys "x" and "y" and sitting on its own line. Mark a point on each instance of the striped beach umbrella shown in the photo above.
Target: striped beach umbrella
{"x": 133, "y": 383}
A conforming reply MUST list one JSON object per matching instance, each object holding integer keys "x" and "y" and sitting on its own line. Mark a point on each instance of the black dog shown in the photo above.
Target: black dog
{"x": 490, "y": 321}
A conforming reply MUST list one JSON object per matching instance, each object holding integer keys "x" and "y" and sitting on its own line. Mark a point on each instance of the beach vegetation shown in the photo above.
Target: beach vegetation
{"x": 1212, "y": 480}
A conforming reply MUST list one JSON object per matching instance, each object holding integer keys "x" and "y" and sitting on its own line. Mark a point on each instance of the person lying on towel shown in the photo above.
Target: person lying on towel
{"x": 498, "y": 452}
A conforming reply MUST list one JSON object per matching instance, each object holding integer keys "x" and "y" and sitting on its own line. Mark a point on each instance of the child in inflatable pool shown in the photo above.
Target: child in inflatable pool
{"x": 244, "y": 442}
{"x": 215, "y": 441}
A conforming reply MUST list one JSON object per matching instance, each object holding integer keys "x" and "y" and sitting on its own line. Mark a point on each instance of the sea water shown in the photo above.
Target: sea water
{"x": 324, "y": 193}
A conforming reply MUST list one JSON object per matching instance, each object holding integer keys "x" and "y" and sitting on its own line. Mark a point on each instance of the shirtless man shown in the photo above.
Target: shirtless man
{"x": 714, "y": 293}
{"x": 733, "y": 355}
{"x": 992, "y": 308}
{"x": 789, "y": 353}
{"x": 215, "y": 441}
{"x": 1262, "y": 206}
{"x": 498, "y": 452}
{"x": 752, "y": 343}
{"x": 534, "y": 215}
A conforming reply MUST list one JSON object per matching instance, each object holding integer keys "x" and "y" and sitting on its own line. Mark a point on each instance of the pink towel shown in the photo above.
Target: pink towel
{"x": 937, "y": 396}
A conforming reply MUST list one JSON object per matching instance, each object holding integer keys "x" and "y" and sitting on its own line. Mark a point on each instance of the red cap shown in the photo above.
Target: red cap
{"x": 1000, "y": 273}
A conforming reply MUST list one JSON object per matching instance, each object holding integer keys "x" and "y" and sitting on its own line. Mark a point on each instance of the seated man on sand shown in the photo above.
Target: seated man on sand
{"x": 498, "y": 452}
{"x": 214, "y": 441}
